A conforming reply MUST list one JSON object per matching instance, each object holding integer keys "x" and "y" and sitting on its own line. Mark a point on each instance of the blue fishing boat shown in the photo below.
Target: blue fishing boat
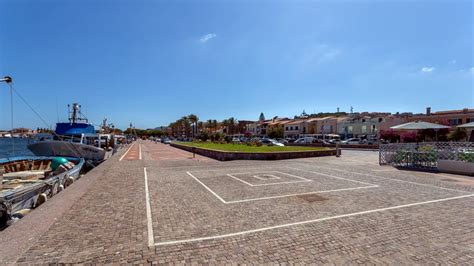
{"x": 77, "y": 138}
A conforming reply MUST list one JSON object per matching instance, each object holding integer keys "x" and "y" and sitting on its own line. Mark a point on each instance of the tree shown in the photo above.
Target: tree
{"x": 215, "y": 124}
{"x": 390, "y": 135}
{"x": 231, "y": 125}
{"x": 262, "y": 117}
{"x": 458, "y": 134}
{"x": 225, "y": 124}
{"x": 193, "y": 119}
{"x": 275, "y": 132}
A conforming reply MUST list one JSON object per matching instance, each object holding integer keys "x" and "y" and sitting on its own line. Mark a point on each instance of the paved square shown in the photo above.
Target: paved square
{"x": 180, "y": 209}
{"x": 209, "y": 204}
{"x": 257, "y": 184}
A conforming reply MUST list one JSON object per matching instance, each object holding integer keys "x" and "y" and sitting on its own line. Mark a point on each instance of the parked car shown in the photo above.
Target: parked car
{"x": 306, "y": 140}
{"x": 369, "y": 141}
{"x": 236, "y": 140}
{"x": 165, "y": 141}
{"x": 351, "y": 141}
{"x": 272, "y": 142}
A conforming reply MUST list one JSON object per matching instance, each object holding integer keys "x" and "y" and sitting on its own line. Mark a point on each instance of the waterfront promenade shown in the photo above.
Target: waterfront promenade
{"x": 152, "y": 203}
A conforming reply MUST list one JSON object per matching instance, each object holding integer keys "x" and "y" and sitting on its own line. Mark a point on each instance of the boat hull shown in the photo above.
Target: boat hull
{"x": 26, "y": 196}
{"x": 67, "y": 149}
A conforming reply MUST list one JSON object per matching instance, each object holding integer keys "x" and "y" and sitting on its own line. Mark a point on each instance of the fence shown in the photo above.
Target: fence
{"x": 425, "y": 155}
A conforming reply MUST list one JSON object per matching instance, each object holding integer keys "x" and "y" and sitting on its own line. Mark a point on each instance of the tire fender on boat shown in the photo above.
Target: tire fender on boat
{"x": 42, "y": 198}
{"x": 69, "y": 180}
{"x": 55, "y": 189}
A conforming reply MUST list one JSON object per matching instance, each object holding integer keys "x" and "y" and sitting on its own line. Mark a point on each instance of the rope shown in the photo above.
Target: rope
{"x": 72, "y": 147}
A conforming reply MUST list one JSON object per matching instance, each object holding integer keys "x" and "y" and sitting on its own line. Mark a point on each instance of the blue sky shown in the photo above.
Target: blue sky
{"x": 151, "y": 62}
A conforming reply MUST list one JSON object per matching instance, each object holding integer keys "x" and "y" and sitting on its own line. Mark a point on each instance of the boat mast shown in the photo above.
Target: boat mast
{"x": 75, "y": 115}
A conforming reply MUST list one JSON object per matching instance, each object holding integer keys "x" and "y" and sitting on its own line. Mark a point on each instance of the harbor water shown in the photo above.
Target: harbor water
{"x": 6, "y": 147}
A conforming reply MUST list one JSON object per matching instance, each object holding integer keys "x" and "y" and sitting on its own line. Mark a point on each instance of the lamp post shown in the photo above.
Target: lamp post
{"x": 9, "y": 80}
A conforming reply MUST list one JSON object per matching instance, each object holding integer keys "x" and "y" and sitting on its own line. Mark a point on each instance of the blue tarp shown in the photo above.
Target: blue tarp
{"x": 74, "y": 129}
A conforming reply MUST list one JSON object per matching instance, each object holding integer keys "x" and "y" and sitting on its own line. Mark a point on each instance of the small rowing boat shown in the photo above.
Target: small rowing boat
{"x": 27, "y": 182}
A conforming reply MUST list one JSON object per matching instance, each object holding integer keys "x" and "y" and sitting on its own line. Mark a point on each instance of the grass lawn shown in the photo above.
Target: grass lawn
{"x": 245, "y": 148}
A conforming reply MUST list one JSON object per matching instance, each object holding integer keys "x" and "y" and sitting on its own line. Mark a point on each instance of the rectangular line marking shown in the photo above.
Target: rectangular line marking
{"x": 337, "y": 177}
{"x": 270, "y": 177}
{"x": 299, "y": 177}
{"x": 126, "y": 151}
{"x": 165, "y": 243}
{"x": 151, "y": 241}
{"x": 274, "y": 197}
{"x": 297, "y": 194}
{"x": 391, "y": 179}
{"x": 236, "y": 178}
{"x": 269, "y": 184}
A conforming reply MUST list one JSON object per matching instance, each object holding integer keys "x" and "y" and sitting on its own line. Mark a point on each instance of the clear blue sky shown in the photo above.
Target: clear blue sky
{"x": 151, "y": 62}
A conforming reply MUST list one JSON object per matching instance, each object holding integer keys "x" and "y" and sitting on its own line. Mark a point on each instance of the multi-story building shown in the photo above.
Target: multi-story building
{"x": 294, "y": 128}
{"x": 452, "y": 117}
{"x": 360, "y": 126}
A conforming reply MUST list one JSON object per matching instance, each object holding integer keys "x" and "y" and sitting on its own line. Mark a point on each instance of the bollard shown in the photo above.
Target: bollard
{"x": 338, "y": 150}
{"x": 194, "y": 152}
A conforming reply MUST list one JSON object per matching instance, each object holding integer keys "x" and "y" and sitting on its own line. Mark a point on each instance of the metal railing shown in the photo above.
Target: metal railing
{"x": 425, "y": 155}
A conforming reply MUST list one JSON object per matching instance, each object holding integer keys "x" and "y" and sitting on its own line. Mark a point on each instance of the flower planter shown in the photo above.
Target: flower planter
{"x": 458, "y": 167}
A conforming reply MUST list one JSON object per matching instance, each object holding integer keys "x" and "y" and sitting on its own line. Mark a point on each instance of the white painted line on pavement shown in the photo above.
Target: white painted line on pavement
{"x": 337, "y": 177}
{"x": 151, "y": 241}
{"x": 302, "y": 179}
{"x": 210, "y": 190}
{"x": 126, "y": 151}
{"x": 388, "y": 178}
{"x": 140, "y": 150}
{"x": 277, "y": 196}
{"x": 165, "y": 243}
{"x": 297, "y": 194}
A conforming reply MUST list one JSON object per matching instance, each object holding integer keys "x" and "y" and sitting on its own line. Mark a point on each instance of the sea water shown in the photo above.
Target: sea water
{"x": 13, "y": 147}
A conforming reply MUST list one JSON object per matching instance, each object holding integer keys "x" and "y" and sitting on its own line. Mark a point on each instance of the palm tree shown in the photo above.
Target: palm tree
{"x": 231, "y": 125}
{"x": 193, "y": 119}
{"x": 225, "y": 124}
{"x": 200, "y": 126}
{"x": 214, "y": 125}
{"x": 185, "y": 126}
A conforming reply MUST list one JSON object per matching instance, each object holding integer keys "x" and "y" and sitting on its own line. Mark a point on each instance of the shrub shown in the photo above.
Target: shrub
{"x": 467, "y": 157}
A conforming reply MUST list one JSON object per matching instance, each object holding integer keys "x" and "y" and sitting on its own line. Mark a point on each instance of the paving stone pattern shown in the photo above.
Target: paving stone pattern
{"x": 109, "y": 223}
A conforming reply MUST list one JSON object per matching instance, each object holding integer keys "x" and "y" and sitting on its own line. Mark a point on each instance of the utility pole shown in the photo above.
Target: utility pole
{"x": 9, "y": 80}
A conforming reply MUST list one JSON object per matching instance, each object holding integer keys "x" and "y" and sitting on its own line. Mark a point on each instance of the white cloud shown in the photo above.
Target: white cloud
{"x": 453, "y": 62}
{"x": 207, "y": 37}
{"x": 427, "y": 69}
{"x": 321, "y": 53}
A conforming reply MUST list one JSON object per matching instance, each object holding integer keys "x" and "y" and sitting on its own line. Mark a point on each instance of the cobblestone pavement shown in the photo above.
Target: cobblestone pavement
{"x": 264, "y": 212}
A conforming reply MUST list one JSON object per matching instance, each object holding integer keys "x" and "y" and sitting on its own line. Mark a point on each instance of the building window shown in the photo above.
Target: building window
{"x": 296, "y": 128}
{"x": 364, "y": 129}
{"x": 455, "y": 121}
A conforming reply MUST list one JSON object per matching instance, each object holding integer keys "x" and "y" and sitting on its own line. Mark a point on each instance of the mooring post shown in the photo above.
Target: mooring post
{"x": 194, "y": 152}
{"x": 338, "y": 150}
